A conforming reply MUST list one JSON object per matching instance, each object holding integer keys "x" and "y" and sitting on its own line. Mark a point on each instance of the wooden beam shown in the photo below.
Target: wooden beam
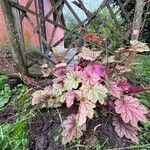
{"x": 14, "y": 32}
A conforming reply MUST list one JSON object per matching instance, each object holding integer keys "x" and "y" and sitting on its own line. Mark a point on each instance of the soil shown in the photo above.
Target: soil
{"x": 6, "y": 63}
{"x": 7, "y": 114}
{"x": 43, "y": 129}
{"x": 47, "y": 124}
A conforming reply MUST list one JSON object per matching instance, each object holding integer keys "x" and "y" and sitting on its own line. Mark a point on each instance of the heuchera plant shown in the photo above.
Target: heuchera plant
{"x": 98, "y": 78}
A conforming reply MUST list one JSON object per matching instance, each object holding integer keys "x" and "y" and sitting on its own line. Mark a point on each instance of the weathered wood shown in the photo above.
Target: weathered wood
{"x": 13, "y": 24}
{"x": 27, "y": 5}
{"x": 48, "y": 15}
{"x": 58, "y": 19}
{"x": 137, "y": 19}
{"x": 81, "y": 6}
{"x": 124, "y": 11}
{"x": 72, "y": 11}
{"x": 113, "y": 15}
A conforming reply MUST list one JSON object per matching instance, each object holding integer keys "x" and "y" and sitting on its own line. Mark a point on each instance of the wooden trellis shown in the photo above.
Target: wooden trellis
{"x": 18, "y": 12}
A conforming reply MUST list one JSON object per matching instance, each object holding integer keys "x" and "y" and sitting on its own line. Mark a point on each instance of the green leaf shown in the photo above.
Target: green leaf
{"x": 3, "y": 80}
{"x": 18, "y": 129}
{"x": 5, "y": 95}
{"x": 95, "y": 93}
{"x": 71, "y": 81}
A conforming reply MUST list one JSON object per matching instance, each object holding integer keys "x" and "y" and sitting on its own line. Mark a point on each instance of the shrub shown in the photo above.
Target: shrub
{"x": 98, "y": 79}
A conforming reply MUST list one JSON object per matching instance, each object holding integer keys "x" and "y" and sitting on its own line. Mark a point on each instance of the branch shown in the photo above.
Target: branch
{"x": 82, "y": 6}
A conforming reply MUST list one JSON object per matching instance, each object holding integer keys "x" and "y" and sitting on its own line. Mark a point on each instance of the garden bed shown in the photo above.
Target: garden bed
{"x": 40, "y": 129}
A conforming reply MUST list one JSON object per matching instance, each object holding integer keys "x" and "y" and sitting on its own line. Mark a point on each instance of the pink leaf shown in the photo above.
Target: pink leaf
{"x": 71, "y": 130}
{"x": 123, "y": 84}
{"x": 135, "y": 89}
{"x": 86, "y": 109}
{"x": 126, "y": 130}
{"x": 89, "y": 75}
{"x": 59, "y": 71}
{"x": 70, "y": 96}
{"x": 131, "y": 110}
{"x": 59, "y": 79}
{"x": 74, "y": 68}
{"x": 97, "y": 69}
{"x": 117, "y": 88}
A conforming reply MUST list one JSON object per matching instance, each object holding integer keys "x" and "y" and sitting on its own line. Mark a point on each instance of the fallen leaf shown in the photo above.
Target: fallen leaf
{"x": 88, "y": 54}
{"x": 92, "y": 37}
{"x": 139, "y": 46}
{"x": 45, "y": 70}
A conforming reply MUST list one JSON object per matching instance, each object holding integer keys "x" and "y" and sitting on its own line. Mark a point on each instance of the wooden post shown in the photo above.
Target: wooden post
{"x": 15, "y": 35}
{"x": 137, "y": 19}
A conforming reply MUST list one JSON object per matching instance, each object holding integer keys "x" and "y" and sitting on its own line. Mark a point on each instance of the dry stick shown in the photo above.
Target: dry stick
{"x": 42, "y": 38}
{"x": 126, "y": 3}
{"x": 35, "y": 61}
{"x": 103, "y": 4}
{"x": 32, "y": 24}
{"x": 81, "y": 6}
{"x": 56, "y": 11}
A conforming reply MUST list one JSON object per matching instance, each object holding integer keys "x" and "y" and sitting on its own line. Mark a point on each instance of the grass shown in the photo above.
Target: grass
{"x": 14, "y": 135}
{"x": 141, "y": 73}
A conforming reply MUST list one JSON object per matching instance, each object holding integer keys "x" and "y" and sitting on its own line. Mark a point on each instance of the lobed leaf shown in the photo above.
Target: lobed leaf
{"x": 88, "y": 54}
{"x": 71, "y": 130}
{"x": 86, "y": 110}
{"x": 57, "y": 89}
{"x": 117, "y": 88}
{"x": 40, "y": 96}
{"x": 90, "y": 75}
{"x": 139, "y": 46}
{"x": 69, "y": 97}
{"x": 71, "y": 81}
{"x": 95, "y": 93}
{"x": 131, "y": 110}
{"x": 125, "y": 130}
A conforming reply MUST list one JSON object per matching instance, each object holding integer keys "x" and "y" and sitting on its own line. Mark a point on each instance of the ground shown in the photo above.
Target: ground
{"x": 23, "y": 125}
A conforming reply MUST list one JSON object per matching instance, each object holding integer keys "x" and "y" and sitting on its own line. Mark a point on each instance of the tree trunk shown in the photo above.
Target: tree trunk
{"x": 137, "y": 19}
